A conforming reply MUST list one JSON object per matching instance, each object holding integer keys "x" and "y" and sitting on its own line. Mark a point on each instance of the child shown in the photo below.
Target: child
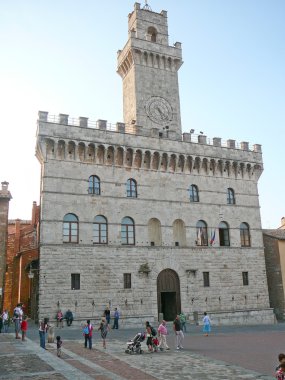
{"x": 280, "y": 374}
{"x": 207, "y": 324}
{"x": 58, "y": 346}
{"x": 281, "y": 358}
{"x": 24, "y": 327}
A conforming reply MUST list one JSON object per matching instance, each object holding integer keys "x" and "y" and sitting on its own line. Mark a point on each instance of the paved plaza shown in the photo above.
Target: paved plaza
{"x": 229, "y": 353}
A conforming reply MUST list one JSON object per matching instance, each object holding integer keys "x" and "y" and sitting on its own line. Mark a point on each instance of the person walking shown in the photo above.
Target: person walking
{"x": 116, "y": 319}
{"x": 104, "y": 328}
{"x": 162, "y": 333}
{"x": 88, "y": 332}
{"x": 206, "y": 324}
{"x": 179, "y": 336}
{"x": 43, "y": 327}
{"x": 17, "y": 318}
{"x": 24, "y": 327}
{"x": 5, "y": 320}
{"x": 107, "y": 314}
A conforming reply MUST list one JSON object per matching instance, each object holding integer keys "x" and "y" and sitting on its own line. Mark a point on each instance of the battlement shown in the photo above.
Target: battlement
{"x": 133, "y": 129}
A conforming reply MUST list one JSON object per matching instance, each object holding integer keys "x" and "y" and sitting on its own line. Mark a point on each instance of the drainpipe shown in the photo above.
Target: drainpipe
{"x": 20, "y": 279}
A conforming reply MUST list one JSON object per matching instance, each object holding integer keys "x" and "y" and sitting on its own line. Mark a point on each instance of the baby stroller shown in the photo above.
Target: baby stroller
{"x": 134, "y": 345}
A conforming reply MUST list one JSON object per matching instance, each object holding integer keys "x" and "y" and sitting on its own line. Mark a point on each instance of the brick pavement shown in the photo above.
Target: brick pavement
{"x": 26, "y": 360}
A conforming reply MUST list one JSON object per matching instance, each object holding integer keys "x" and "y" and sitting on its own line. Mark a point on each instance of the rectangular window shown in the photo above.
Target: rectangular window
{"x": 75, "y": 281}
{"x": 245, "y": 278}
{"x": 206, "y": 278}
{"x": 127, "y": 280}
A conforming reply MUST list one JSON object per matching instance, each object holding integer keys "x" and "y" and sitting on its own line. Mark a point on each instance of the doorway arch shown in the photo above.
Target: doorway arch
{"x": 168, "y": 294}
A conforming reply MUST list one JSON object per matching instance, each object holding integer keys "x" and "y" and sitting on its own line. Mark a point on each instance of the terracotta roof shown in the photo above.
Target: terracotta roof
{"x": 277, "y": 234}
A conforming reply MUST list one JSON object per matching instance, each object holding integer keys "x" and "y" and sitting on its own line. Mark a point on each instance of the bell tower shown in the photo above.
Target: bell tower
{"x": 149, "y": 66}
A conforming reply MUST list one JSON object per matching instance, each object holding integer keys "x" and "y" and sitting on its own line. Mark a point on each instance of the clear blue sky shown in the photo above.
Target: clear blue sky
{"x": 60, "y": 56}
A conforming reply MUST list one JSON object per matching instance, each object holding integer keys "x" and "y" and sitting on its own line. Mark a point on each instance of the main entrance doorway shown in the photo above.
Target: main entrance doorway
{"x": 168, "y": 294}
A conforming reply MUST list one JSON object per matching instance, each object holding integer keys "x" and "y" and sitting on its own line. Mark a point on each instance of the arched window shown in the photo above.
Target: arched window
{"x": 154, "y": 232}
{"x": 131, "y": 188}
{"x": 244, "y": 235}
{"x": 179, "y": 233}
{"x": 201, "y": 233}
{"x": 100, "y": 230}
{"x": 231, "y": 197}
{"x": 194, "y": 193}
{"x": 70, "y": 228}
{"x": 128, "y": 231}
{"x": 153, "y": 33}
{"x": 94, "y": 185}
{"x": 224, "y": 234}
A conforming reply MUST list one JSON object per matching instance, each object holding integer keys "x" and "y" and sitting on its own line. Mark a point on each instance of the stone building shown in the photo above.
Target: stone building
{"x": 22, "y": 253}
{"x": 274, "y": 248}
{"x": 5, "y": 197}
{"x": 143, "y": 217}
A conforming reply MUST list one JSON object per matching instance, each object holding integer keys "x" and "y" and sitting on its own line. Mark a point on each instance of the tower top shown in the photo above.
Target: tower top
{"x": 147, "y": 7}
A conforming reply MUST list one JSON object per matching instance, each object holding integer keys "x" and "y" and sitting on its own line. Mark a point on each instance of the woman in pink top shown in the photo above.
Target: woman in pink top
{"x": 162, "y": 332}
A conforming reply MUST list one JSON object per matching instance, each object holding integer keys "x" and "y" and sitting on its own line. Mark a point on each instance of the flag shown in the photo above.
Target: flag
{"x": 213, "y": 237}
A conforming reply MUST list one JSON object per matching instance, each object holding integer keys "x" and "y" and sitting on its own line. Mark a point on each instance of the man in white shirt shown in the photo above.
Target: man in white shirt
{"x": 17, "y": 318}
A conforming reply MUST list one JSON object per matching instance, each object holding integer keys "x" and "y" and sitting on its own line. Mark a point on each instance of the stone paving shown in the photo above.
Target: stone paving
{"x": 26, "y": 360}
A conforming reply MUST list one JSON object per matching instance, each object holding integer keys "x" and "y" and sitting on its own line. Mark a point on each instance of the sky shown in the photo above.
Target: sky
{"x": 60, "y": 56}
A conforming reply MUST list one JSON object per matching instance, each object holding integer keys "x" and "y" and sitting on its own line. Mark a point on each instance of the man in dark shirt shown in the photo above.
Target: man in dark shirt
{"x": 179, "y": 336}
{"x": 107, "y": 314}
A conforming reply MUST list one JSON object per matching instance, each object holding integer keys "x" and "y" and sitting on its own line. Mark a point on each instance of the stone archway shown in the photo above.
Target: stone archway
{"x": 168, "y": 294}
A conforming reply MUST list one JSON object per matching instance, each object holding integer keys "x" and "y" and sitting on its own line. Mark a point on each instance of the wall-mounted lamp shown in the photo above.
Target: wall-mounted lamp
{"x": 126, "y": 302}
{"x": 206, "y": 299}
{"x": 233, "y": 298}
{"x": 93, "y": 303}
{"x": 141, "y": 301}
{"x": 31, "y": 274}
{"x": 220, "y": 299}
{"x": 58, "y": 303}
{"x": 257, "y": 296}
{"x": 192, "y": 300}
{"x": 75, "y": 303}
{"x": 109, "y": 303}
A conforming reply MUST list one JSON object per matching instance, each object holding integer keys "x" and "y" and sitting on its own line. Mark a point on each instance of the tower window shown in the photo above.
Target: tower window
{"x": 152, "y": 32}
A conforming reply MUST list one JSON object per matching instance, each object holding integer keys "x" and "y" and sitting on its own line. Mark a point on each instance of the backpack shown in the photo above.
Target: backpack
{"x": 153, "y": 331}
{"x": 16, "y": 314}
{"x": 86, "y": 330}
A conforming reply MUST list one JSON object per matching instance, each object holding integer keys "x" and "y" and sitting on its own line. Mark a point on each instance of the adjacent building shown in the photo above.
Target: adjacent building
{"x": 143, "y": 217}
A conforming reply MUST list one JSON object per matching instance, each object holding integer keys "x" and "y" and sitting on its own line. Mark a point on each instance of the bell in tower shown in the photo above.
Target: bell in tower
{"x": 149, "y": 68}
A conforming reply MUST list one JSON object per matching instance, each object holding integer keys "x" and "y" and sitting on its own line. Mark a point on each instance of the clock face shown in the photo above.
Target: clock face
{"x": 158, "y": 110}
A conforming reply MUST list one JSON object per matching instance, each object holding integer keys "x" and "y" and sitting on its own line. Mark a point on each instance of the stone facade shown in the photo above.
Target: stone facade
{"x": 162, "y": 197}
{"x": 274, "y": 248}
{"x": 5, "y": 197}
{"x": 22, "y": 263}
